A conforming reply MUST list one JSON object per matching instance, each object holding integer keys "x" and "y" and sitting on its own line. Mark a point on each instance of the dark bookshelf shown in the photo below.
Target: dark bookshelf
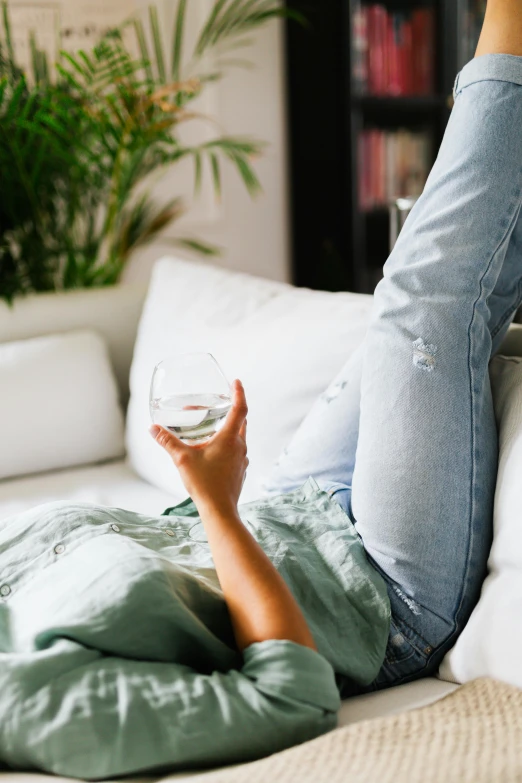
{"x": 336, "y": 244}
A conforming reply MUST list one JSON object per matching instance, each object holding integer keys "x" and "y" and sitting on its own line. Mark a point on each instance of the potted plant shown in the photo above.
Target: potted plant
{"x": 80, "y": 139}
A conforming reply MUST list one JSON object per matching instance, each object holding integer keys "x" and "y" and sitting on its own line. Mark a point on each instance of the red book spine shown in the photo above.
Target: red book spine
{"x": 383, "y": 42}
{"x": 369, "y": 169}
{"x": 394, "y": 59}
{"x": 417, "y": 23}
{"x": 374, "y": 156}
{"x": 362, "y": 163}
{"x": 382, "y": 168}
{"x": 360, "y": 47}
{"x": 377, "y": 34}
{"x": 372, "y": 50}
{"x": 428, "y": 67}
{"x": 402, "y": 55}
{"x": 407, "y": 37}
{"x": 423, "y": 29}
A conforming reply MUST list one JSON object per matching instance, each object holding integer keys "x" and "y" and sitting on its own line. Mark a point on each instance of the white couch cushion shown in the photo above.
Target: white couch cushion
{"x": 59, "y": 404}
{"x": 285, "y": 344}
{"x": 490, "y": 644}
{"x": 112, "y": 484}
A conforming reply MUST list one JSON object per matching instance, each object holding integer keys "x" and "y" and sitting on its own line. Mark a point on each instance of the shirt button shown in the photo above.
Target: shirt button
{"x": 5, "y": 590}
{"x": 59, "y": 549}
{"x": 170, "y": 533}
{"x": 115, "y": 528}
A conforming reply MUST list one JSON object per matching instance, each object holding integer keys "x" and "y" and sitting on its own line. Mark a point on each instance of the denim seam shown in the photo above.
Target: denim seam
{"x": 398, "y": 661}
{"x": 515, "y": 200}
{"x": 510, "y": 312}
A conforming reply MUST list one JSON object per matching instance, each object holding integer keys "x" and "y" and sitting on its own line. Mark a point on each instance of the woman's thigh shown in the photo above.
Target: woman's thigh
{"x": 425, "y": 470}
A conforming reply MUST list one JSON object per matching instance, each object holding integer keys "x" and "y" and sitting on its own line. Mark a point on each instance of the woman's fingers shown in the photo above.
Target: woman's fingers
{"x": 243, "y": 431}
{"x": 238, "y": 413}
{"x": 168, "y": 441}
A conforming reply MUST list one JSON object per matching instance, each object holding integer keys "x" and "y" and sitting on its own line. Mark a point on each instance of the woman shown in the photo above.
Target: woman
{"x": 130, "y": 643}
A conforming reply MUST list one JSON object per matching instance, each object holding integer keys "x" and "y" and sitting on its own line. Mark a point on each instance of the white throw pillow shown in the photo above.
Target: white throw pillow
{"x": 490, "y": 644}
{"x": 59, "y": 404}
{"x": 285, "y": 344}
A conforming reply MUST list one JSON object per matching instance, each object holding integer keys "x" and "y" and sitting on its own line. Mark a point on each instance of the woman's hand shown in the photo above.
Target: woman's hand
{"x": 213, "y": 472}
{"x": 260, "y": 604}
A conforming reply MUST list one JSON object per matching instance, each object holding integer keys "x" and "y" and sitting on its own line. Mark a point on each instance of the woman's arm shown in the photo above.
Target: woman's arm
{"x": 260, "y": 604}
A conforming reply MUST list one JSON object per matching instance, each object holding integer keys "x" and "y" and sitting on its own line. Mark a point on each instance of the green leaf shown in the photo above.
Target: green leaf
{"x": 216, "y": 173}
{"x": 233, "y": 15}
{"x": 247, "y": 174}
{"x": 68, "y": 77}
{"x": 144, "y": 49}
{"x": 34, "y": 56}
{"x": 143, "y": 221}
{"x": 7, "y": 32}
{"x": 230, "y": 19}
{"x": 197, "y": 172}
{"x": 87, "y": 60}
{"x": 206, "y": 33}
{"x": 198, "y": 246}
{"x": 177, "y": 49}
{"x": 158, "y": 45}
{"x": 16, "y": 101}
{"x": 44, "y": 68}
{"x": 74, "y": 62}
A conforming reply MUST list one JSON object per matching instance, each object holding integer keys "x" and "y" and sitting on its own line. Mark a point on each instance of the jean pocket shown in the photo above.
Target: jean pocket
{"x": 403, "y": 662}
{"x": 399, "y": 649}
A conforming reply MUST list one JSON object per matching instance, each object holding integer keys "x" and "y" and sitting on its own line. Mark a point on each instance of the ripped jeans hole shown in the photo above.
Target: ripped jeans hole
{"x": 333, "y": 392}
{"x": 424, "y": 355}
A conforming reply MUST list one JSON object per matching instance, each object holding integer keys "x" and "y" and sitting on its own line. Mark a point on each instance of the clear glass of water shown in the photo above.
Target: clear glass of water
{"x": 190, "y": 396}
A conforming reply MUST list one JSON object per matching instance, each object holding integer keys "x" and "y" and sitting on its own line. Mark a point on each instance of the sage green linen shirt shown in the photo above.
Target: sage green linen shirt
{"x": 117, "y": 653}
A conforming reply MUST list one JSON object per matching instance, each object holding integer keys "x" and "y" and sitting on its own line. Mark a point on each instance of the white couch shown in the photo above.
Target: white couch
{"x": 286, "y": 345}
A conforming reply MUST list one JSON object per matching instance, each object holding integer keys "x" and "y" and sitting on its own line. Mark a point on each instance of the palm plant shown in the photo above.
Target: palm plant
{"x": 80, "y": 141}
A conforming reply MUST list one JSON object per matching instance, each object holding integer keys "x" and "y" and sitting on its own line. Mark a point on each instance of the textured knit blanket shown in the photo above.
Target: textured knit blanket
{"x": 472, "y": 736}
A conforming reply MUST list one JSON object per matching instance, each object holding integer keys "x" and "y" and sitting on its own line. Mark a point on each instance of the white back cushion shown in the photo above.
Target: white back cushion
{"x": 112, "y": 312}
{"x": 285, "y": 344}
{"x": 59, "y": 404}
{"x": 491, "y": 642}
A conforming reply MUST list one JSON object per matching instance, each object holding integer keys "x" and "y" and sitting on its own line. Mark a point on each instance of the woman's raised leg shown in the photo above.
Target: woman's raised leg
{"x": 426, "y": 460}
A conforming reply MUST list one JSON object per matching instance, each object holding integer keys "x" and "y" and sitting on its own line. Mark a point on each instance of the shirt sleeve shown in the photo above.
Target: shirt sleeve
{"x": 110, "y": 716}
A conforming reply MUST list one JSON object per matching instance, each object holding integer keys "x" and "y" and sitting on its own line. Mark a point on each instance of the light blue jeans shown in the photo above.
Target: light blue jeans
{"x": 405, "y": 437}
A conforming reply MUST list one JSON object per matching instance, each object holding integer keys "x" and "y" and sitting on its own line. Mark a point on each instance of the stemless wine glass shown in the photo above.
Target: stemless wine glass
{"x": 190, "y": 396}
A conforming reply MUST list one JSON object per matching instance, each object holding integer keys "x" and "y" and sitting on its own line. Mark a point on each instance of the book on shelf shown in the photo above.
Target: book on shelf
{"x": 393, "y": 52}
{"x": 391, "y": 164}
{"x": 472, "y": 18}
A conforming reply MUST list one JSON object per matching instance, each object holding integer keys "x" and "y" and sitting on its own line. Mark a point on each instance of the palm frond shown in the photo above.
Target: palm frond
{"x": 144, "y": 220}
{"x": 212, "y": 21}
{"x": 216, "y": 173}
{"x": 8, "y": 34}
{"x": 79, "y": 144}
{"x": 16, "y": 101}
{"x": 144, "y": 49}
{"x": 158, "y": 43}
{"x": 232, "y": 18}
{"x": 198, "y": 171}
{"x": 177, "y": 40}
{"x": 196, "y": 245}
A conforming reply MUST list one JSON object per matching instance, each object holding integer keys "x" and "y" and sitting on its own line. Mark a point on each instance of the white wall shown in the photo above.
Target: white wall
{"x": 254, "y": 235}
